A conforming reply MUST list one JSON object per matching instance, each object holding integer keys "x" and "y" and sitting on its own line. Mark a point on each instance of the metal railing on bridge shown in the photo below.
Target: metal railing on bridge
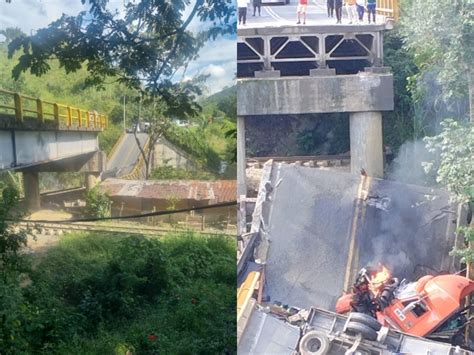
{"x": 389, "y": 8}
{"x": 294, "y": 51}
{"x": 17, "y": 109}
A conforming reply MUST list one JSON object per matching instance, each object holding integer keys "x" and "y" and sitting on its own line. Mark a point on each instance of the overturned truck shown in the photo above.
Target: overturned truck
{"x": 311, "y": 232}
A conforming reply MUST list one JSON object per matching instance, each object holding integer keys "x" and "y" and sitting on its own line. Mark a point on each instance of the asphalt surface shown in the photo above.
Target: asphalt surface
{"x": 323, "y": 226}
{"x": 126, "y": 155}
{"x": 285, "y": 15}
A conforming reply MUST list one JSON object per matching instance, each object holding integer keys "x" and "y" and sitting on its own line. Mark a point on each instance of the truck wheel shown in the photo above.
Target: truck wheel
{"x": 362, "y": 329}
{"x": 366, "y": 320}
{"x": 314, "y": 343}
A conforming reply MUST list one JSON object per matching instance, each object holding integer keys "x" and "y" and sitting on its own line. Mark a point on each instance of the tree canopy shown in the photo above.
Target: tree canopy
{"x": 143, "y": 47}
{"x": 439, "y": 34}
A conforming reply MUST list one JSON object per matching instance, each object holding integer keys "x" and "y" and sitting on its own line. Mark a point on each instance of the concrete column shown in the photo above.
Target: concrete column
{"x": 92, "y": 179}
{"x": 32, "y": 191}
{"x": 366, "y": 143}
{"x": 241, "y": 163}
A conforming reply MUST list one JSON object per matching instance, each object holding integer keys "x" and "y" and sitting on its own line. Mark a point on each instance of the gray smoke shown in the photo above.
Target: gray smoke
{"x": 407, "y": 167}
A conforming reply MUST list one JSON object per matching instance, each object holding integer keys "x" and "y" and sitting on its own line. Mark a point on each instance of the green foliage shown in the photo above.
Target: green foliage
{"x": 142, "y": 52}
{"x": 399, "y": 123}
{"x": 109, "y": 137}
{"x": 98, "y": 203}
{"x": 439, "y": 35}
{"x": 170, "y": 173}
{"x": 93, "y": 294}
{"x": 455, "y": 168}
{"x": 466, "y": 254}
{"x": 10, "y": 241}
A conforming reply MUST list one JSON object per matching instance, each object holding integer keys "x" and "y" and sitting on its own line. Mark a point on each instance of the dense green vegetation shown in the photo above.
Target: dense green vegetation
{"x": 95, "y": 294}
{"x": 167, "y": 172}
{"x": 203, "y": 137}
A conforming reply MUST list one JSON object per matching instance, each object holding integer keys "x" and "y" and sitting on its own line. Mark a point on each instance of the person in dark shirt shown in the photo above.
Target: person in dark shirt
{"x": 371, "y": 6}
{"x": 257, "y": 4}
{"x": 338, "y": 7}
{"x": 330, "y": 5}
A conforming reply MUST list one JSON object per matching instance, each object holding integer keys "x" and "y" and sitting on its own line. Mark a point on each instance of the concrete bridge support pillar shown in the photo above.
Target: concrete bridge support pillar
{"x": 91, "y": 180}
{"x": 32, "y": 191}
{"x": 366, "y": 143}
{"x": 241, "y": 157}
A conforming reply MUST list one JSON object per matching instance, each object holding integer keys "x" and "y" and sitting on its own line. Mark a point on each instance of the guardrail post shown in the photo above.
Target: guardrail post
{"x": 69, "y": 117}
{"x": 88, "y": 119}
{"x": 396, "y": 10}
{"x": 56, "y": 113}
{"x": 79, "y": 117}
{"x": 95, "y": 119}
{"x": 18, "y": 107}
{"x": 39, "y": 109}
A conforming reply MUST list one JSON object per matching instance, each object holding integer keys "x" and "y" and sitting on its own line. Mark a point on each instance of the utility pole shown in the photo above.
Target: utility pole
{"x": 124, "y": 127}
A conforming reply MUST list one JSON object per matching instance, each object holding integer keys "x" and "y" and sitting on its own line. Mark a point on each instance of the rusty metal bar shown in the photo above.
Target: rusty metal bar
{"x": 18, "y": 107}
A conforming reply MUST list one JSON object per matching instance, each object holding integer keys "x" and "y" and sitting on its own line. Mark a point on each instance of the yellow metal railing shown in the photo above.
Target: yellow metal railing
{"x": 24, "y": 106}
{"x": 245, "y": 292}
{"x": 389, "y": 8}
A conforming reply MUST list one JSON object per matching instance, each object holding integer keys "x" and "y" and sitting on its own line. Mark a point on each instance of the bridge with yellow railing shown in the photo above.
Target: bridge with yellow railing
{"x": 42, "y": 136}
{"x": 24, "y": 111}
{"x": 389, "y": 8}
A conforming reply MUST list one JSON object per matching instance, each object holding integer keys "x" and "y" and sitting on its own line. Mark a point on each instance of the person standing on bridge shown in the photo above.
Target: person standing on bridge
{"x": 371, "y": 6}
{"x": 257, "y": 4}
{"x": 338, "y": 7}
{"x": 330, "y": 6}
{"x": 301, "y": 10}
{"x": 351, "y": 10}
{"x": 242, "y": 5}
{"x": 360, "y": 9}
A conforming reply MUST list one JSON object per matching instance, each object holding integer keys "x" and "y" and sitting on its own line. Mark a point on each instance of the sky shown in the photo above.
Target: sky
{"x": 217, "y": 58}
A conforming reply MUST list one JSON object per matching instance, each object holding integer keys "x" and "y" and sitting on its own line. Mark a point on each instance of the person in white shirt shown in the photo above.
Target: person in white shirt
{"x": 242, "y": 5}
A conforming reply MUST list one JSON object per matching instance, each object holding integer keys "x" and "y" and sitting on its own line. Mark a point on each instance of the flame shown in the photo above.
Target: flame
{"x": 379, "y": 279}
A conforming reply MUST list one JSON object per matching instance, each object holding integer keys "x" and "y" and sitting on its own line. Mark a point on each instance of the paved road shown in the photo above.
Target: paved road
{"x": 324, "y": 226}
{"x": 125, "y": 156}
{"x": 286, "y": 15}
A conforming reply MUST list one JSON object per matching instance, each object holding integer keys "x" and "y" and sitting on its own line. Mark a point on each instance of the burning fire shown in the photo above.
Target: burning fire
{"x": 379, "y": 279}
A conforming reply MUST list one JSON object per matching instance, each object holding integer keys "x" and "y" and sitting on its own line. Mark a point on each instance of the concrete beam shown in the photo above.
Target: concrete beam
{"x": 22, "y": 149}
{"x": 94, "y": 162}
{"x": 91, "y": 180}
{"x": 316, "y": 94}
{"x": 32, "y": 191}
{"x": 366, "y": 143}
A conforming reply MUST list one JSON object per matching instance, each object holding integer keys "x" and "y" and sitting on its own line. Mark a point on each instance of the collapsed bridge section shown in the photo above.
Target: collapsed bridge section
{"x": 318, "y": 228}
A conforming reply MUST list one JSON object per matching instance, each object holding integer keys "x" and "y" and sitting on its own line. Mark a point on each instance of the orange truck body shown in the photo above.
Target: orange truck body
{"x": 431, "y": 301}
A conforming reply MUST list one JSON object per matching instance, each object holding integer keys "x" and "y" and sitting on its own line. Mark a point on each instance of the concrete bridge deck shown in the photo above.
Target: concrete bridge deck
{"x": 41, "y": 136}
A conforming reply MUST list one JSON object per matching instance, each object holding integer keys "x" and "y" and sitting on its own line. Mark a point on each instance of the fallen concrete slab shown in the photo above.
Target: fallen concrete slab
{"x": 323, "y": 226}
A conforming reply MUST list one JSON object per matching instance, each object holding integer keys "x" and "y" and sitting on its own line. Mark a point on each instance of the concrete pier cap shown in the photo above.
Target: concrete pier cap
{"x": 366, "y": 91}
{"x": 364, "y": 96}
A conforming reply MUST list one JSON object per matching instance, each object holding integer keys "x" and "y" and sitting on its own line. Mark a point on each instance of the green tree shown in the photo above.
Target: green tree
{"x": 455, "y": 168}
{"x": 142, "y": 49}
{"x": 439, "y": 34}
{"x": 11, "y": 241}
{"x": 98, "y": 203}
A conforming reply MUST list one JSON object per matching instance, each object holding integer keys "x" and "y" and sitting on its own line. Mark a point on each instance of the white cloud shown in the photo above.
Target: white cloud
{"x": 213, "y": 70}
{"x": 34, "y": 14}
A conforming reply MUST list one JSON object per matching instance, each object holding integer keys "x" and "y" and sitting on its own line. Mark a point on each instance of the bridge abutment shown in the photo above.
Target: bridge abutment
{"x": 32, "y": 190}
{"x": 366, "y": 143}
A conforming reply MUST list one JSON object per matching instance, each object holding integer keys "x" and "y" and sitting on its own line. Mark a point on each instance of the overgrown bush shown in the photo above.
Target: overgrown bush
{"x": 167, "y": 172}
{"x": 98, "y": 203}
{"x": 96, "y": 294}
